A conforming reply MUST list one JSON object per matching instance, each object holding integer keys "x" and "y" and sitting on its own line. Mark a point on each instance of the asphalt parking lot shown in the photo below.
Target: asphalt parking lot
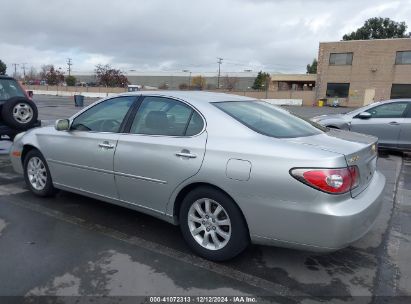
{"x": 71, "y": 245}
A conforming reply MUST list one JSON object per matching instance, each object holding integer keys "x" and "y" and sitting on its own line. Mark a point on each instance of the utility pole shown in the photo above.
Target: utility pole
{"x": 24, "y": 70}
{"x": 220, "y": 61}
{"x": 15, "y": 68}
{"x": 189, "y": 78}
{"x": 69, "y": 66}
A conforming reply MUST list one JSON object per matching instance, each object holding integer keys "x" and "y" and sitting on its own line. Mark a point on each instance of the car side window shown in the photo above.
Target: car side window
{"x": 165, "y": 116}
{"x": 390, "y": 110}
{"x": 106, "y": 116}
{"x": 409, "y": 110}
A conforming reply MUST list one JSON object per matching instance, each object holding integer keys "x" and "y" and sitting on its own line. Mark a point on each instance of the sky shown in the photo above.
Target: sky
{"x": 174, "y": 35}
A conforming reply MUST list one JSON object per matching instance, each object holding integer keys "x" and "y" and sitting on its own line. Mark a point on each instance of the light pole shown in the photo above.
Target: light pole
{"x": 189, "y": 78}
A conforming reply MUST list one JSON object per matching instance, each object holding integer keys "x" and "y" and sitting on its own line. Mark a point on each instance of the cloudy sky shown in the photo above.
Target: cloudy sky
{"x": 165, "y": 35}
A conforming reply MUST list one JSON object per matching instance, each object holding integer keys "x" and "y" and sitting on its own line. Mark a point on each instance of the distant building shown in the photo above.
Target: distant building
{"x": 173, "y": 80}
{"x": 295, "y": 82}
{"x": 360, "y": 72}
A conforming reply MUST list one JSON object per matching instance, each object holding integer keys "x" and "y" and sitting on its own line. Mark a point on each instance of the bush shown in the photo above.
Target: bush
{"x": 71, "y": 81}
{"x": 183, "y": 86}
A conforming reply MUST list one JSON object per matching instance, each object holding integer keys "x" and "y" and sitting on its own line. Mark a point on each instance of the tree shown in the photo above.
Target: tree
{"x": 261, "y": 81}
{"x": 3, "y": 68}
{"x": 379, "y": 28}
{"x": 31, "y": 74}
{"x": 44, "y": 70}
{"x": 51, "y": 75}
{"x": 183, "y": 86}
{"x": 110, "y": 77}
{"x": 198, "y": 82}
{"x": 230, "y": 82}
{"x": 312, "y": 68}
{"x": 71, "y": 81}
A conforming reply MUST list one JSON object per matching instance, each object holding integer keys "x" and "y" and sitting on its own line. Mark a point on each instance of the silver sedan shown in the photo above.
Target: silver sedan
{"x": 228, "y": 169}
{"x": 388, "y": 120}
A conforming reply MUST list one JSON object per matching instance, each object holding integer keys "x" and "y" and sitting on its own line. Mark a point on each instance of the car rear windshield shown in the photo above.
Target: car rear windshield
{"x": 9, "y": 88}
{"x": 269, "y": 120}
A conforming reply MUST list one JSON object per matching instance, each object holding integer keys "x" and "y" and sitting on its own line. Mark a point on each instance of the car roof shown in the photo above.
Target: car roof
{"x": 193, "y": 96}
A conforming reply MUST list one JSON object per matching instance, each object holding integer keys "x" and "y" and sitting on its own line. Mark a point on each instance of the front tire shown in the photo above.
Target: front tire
{"x": 213, "y": 225}
{"x": 37, "y": 174}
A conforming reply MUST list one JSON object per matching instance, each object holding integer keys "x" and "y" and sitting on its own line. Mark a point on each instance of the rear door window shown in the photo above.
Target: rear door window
{"x": 269, "y": 120}
{"x": 10, "y": 88}
{"x": 165, "y": 116}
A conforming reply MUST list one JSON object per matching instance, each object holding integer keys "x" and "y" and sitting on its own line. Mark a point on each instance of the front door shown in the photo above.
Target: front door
{"x": 82, "y": 158}
{"x": 385, "y": 123}
{"x": 165, "y": 146}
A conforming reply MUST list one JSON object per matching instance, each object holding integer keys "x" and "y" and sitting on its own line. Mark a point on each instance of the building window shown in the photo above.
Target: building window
{"x": 403, "y": 57}
{"x": 338, "y": 90}
{"x": 401, "y": 91}
{"x": 341, "y": 58}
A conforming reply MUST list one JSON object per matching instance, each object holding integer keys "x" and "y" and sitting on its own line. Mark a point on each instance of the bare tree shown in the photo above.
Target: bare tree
{"x": 230, "y": 83}
{"x": 44, "y": 70}
{"x": 32, "y": 74}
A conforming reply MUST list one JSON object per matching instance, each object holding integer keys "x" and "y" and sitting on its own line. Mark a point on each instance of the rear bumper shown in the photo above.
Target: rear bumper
{"x": 331, "y": 227}
{"x": 6, "y": 130}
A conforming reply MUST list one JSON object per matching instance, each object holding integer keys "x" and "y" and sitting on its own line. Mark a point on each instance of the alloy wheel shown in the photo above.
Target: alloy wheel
{"x": 37, "y": 173}
{"x": 209, "y": 224}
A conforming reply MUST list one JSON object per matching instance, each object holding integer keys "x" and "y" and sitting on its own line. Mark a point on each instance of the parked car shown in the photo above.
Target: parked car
{"x": 17, "y": 111}
{"x": 389, "y": 120}
{"x": 228, "y": 169}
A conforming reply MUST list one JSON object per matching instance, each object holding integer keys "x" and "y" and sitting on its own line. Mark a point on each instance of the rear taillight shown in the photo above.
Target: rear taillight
{"x": 335, "y": 181}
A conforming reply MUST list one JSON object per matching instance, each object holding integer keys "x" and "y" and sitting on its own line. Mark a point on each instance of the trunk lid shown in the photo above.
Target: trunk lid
{"x": 358, "y": 149}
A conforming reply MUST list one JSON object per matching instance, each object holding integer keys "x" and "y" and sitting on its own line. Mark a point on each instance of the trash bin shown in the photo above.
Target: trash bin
{"x": 79, "y": 100}
{"x": 321, "y": 103}
{"x": 30, "y": 93}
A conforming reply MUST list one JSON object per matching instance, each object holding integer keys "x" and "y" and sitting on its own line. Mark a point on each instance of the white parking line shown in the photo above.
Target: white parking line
{"x": 9, "y": 189}
{"x": 271, "y": 287}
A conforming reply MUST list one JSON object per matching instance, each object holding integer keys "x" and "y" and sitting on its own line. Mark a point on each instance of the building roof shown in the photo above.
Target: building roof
{"x": 293, "y": 77}
{"x": 368, "y": 41}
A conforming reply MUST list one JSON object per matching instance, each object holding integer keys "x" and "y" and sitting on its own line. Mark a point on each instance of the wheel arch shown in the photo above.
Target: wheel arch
{"x": 190, "y": 187}
{"x": 26, "y": 149}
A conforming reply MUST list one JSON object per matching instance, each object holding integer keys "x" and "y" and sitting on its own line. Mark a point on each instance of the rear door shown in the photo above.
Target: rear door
{"x": 165, "y": 146}
{"x": 385, "y": 123}
{"x": 404, "y": 141}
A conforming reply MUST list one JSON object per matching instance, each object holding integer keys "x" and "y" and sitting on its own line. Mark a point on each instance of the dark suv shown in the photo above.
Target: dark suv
{"x": 17, "y": 111}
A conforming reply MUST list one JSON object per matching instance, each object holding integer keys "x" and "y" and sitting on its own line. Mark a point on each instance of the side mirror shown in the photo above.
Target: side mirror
{"x": 364, "y": 115}
{"x": 62, "y": 125}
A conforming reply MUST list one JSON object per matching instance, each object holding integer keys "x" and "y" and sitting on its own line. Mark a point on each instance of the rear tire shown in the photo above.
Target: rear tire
{"x": 213, "y": 225}
{"x": 19, "y": 113}
{"x": 37, "y": 174}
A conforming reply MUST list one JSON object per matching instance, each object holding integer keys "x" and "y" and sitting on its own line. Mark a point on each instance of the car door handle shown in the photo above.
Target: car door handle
{"x": 106, "y": 145}
{"x": 394, "y": 123}
{"x": 186, "y": 153}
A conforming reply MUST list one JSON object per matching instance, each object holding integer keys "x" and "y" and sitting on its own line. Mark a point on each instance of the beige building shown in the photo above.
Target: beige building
{"x": 360, "y": 72}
